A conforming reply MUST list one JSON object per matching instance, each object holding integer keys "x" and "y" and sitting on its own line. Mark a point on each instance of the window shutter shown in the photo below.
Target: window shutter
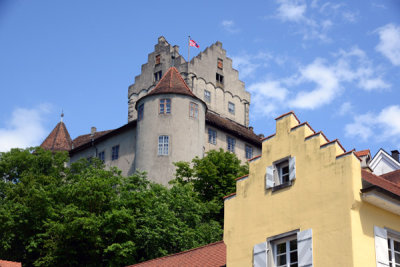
{"x": 292, "y": 168}
{"x": 260, "y": 255}
{"x": 304, "y": 248}
{"x": 270, "y": 177}
{"x": 381, "y": 247}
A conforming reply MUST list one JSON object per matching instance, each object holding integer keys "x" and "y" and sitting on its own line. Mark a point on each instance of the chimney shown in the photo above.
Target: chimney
{"x": 93, "y": 131}
{"x": 395, "y": 155}
{"x": 251, "y": 128}
{"x": 261, "y": 136}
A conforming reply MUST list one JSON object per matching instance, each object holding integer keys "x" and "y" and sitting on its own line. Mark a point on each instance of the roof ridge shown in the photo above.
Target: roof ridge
{"x": 56, "y": 135}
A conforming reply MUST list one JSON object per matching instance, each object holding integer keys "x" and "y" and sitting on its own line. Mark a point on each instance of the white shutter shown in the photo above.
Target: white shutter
{"x": 269, "y": 177}
{"x": 304, "y": 248}
{"x": 260, "y": 255}
{"x": 381, "y": 247}
{"x": 292, "y": 168}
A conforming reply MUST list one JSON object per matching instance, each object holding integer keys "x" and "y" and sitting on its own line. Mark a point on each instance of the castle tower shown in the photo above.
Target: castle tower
{"x": 171, "y": 125}
{"x": 59, "y": 139}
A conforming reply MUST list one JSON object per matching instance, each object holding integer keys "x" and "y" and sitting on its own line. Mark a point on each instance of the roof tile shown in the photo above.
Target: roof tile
{"x": 58, "y": 140}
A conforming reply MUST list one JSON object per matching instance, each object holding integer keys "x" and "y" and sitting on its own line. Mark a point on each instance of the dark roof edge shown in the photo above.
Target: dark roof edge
{"x": 380, "y": 190}
{"x": 103, "y": 137}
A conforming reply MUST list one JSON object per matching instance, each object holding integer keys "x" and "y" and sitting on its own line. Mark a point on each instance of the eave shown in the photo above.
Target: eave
{"x": 381, "y": 198}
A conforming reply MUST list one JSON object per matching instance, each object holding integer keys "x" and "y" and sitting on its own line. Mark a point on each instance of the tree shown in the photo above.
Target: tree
{"x": 86, "y": 215}
{"x": 212, "y": 176}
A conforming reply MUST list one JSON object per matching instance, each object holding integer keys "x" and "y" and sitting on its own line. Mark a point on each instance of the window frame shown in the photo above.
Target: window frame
{"x": 163, "y": 145}
{"x": 158, "y": 59}
{"x": 231, "y": 107}
{"x": 219, "y": 78}
{"x": 220, "y": 63}
{"x": 207, "y": 96}
{"x": 115, "y": 152}
{"x": 102, "y": 156}
{"x": 157, "y": 75}
{"x": 193, "y": 110}
{"x": 140, "y": 112}
{"x": 393, "y": 236}
{"x": 230, "y": 146}
{"x": 248, "y": 151}
{"x": 164, "y": 106}
{"x": 274, "y": 178}
{"x": 287, "y": 241}
{"x": 212, "y": 139}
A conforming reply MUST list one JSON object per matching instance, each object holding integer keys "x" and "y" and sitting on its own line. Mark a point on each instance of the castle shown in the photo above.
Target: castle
{"x": 177, "y": 110}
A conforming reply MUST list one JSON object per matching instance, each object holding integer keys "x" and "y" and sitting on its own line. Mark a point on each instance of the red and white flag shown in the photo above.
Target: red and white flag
{"x": 193, "y": 43}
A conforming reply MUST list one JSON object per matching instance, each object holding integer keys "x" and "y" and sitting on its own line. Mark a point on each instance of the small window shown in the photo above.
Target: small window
{"x": 220, "y": 80}
{"x": 193, "y": 110}
{"x": 285, "y": 252}
{"x": 157, "y": 76}
{"x": 140, "y": 112}
{"x": 115, "y": 152}
{"x": 249, "y": 152}
{"x": 207, "y": 96}
{"x": 163, "y": 145}
{"x": 158, "y": 59}
{"x": 281, "y": 173}
{"x": 212, "y": 136}
{"x": 230, "y": 144}
{"x": 394, "y": 251}
{"x": 220, "y": 64}
{"x": 101, "y": 156}
{"x": 165, "y": 106}
{"x": 231, "y": 108}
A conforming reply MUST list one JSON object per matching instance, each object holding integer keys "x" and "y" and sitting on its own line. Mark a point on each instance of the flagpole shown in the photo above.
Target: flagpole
{"x": 188, "y": 59}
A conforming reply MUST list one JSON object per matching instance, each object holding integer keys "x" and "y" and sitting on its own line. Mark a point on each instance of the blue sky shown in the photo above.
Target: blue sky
{"x": 336, "y": 64}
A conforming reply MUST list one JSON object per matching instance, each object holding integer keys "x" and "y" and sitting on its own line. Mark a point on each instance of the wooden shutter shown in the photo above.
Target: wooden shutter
{"x": 269, "y": 177}
{"x": 260, "y": 255}
{"x": 381, "y": 247}
{"x": 292, "y": 168}
{"x": 305, "y": 248}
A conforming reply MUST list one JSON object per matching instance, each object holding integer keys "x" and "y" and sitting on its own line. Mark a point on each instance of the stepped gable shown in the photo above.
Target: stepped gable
{"x": 58, "y": 140}
{"x": 233, "y": 128}
{"x": 211, "y": 255}
{"x": 172, "y": 83}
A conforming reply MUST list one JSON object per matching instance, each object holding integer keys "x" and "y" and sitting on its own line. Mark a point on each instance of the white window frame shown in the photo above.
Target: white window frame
{"x": 163, "y": 145}
{"x": 207, "y": 96}
{"x": 286, "y": 241}
{"x": 212, "y": 136}
{"x": 276, "y": 177}
{"x": 248, "y": 151}
{"x": 231, "y": 107}
{"x": 384, "y": 239}
{"x": 230, "y": 143}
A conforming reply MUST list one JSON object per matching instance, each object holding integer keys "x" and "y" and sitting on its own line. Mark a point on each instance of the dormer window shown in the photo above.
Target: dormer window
{"x": 158, "y": 59}
{"x": 157, "y": 76}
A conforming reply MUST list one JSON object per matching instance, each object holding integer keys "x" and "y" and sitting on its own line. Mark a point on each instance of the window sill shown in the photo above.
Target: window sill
{"x": 281, "y": 186}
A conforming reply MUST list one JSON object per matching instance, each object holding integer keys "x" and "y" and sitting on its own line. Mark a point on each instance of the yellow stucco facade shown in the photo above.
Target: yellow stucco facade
{"x": 324, "y": 196}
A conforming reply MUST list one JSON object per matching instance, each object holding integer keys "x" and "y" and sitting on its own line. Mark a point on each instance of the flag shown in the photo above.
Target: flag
{"x": 193, "y": 43}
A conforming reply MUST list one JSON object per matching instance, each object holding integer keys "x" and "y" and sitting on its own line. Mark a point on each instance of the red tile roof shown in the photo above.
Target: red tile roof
{"x": 233, "y": 127}
{"x": 393, "y": 176}
{"x": 362, "y": 153}
{"x": 172, "y": 83}
{"x": 381, "y": 182}
{"x": 211, "y": 255}
{"x": 85, "y": 138}
{"x": 58, "y": 139}
{"x": 10, "y": 264}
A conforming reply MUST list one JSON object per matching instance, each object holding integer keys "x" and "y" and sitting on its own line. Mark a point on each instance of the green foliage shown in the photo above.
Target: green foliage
{"x": 51, "y": 215}
{"x": 212, "y": 177}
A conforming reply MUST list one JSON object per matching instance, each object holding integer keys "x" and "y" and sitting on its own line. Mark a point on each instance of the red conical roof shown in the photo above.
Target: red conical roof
{"x": 172, "y": 83}
{"x": 58, "y": 139}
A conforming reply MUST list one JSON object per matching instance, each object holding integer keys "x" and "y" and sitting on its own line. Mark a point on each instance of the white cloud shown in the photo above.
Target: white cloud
{"x": 389, "y": 43}
{"x": 248, "y": 64}
{"x": 229, "y": 26}
{"x": 382, "y": 126}
{"x": 24, "y": 128}
{"x": 291, "y": 10}
{"x": 345, "y": 109}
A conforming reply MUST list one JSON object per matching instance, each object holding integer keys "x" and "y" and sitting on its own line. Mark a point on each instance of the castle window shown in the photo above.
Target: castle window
{"x": 115, "y": 152}
{"x": 157, "y": 76}
{"x": 231, "y": 108}
{"x": 101, "y": 156}
{"x": 140, "y": 112}
{"x": 165, "y": 106}
{"x": 220, "y": 64}
{"x": 231, "y": 142}
{"x": 158, "y": 59}
{"x": 249, "y": 152}
{"x": 163, "y": 145}
{"x": 193, "y": 110}
{"x": 220, "y": 80}
{"x": 281, "y": 173}
{"x": 207, "y": 96}
{"x": 212, "y": 136}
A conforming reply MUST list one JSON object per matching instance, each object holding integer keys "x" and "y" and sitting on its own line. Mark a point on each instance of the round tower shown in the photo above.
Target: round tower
{"x": 170, "y": 127}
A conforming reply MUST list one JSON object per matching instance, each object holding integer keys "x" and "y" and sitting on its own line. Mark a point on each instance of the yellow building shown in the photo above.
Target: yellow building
{"x": 308, "y": 202}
